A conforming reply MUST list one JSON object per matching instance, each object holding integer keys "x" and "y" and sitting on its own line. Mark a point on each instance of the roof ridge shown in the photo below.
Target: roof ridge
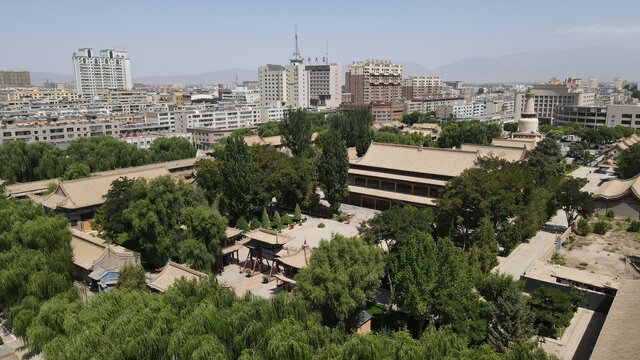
{"x": 182, "y": 267}
{"x": 418, "y": 147}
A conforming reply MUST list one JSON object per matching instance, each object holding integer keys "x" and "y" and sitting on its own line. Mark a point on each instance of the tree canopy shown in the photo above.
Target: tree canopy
{"x": 340, "y": 274}
{"x": 333, "y": 165}
{"x": 296, "y": 131}
{"x": 629, "y": 162}
{"x": 456, "y": 133}
{"x": 24, "y": 162}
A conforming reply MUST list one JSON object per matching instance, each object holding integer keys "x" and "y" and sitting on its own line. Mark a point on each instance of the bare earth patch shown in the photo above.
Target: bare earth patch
{"x": 602, "y": 254}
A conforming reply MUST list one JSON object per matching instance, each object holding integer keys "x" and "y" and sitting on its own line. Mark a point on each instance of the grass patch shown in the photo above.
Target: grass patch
{"x": 582, "y": 265}
{"x": 558, "y": 259}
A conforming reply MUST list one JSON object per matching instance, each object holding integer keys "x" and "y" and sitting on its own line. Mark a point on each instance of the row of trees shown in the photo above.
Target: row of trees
{"x": 591, "y": 136}
{"x": 514, "y": 199}
{"x": 394, "y": 136}
{"x": 432, "y": 281}
{"x": 24, "y": 162}
{"x": 456, "y": 133}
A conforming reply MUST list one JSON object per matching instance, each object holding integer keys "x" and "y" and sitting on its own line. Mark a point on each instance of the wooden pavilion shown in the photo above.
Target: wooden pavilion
{"x": 292, "y": 261}
{"x": 263, "y": 246}
{"x": 229, "y": 252}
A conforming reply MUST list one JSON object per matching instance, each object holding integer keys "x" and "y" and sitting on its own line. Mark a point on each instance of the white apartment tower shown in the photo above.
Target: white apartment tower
{"x": 287, "y": 85}
{"x": 110, "y": 69}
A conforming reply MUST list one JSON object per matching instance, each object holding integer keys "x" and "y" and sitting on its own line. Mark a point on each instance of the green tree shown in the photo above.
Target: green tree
{"x": 255, "y": 223}
{"x": 296, "y": 131}
{"x": 573, "y": 201}
{"x": 580, "y": 153}
{"x": 483, "y": 250}
{"x": 454, "y": 134}
{"x": 511, "y": 320}
{"x": 131, "y": 277}
{"x": 552, "y": 309}
{"x": 269, "y": 129}
{"x": 332, "y": 166}
{"x": 297, "y": 214}
{"x": 206, "y": 226}
{"x": 391, "y": 227}
{"x": 266, "y": 223}
{"x": 339, "y": 276}
{"x": 242, "y": 224}
{"x": 110, "y": 215}
{"x": 510, "y": 127}
{"x": 239, "y": 174}
{"x": 354, "y": 128}
{"x": 242, "y": 132}
{"x": 438, "y": 287}
{"x": 629, "y": 162}
{"x": 545, "y": 161}
{"x": 277, "y": 221}
{"x": 209, "y": 178}
{"x": 493, "y": 286}
{"x": 76, "y": 171}
{"x": 171, "y": 148}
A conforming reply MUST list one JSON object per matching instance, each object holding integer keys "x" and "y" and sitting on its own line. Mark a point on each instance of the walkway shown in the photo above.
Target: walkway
{"x": 526, "y": 253}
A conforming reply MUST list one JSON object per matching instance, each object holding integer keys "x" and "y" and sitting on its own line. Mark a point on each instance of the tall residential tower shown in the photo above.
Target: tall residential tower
{"x": 111, "y": 69}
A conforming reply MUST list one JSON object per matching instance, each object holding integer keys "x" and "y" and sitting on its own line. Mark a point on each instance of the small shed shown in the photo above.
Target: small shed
{"x": 359, "y": 324}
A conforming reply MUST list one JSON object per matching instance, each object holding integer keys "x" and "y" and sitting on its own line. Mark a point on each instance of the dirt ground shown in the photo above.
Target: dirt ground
{"x": 602, "y": 254}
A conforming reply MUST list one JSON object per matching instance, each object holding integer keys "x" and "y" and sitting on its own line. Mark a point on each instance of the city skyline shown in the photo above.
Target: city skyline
{"x": 200, "y": 37}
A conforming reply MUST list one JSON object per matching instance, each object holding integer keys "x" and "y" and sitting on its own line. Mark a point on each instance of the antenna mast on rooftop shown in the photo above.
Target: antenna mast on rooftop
{"x": 326, "y": 52}
{"x": 296, "y": 58}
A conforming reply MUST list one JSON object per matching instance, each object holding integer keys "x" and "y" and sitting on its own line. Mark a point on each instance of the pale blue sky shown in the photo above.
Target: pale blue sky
{"x": 187, "y": 37}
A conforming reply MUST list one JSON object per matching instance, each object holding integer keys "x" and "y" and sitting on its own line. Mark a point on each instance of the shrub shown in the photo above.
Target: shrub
{"x": 321, "y": 225}
{"x": 248, "y": 272}
{"x": 286, "y": 220}
{"x": 255, "y": 223}
{"x": 634, "y": 226}
{"x": 341, "y": 218}
{"x": 265, "y": 279}
{"x": 611, "y": 214}
{"x": 557, "y": 258}
{"x": 601, "y": 227}
{"x": 583, "y": 227}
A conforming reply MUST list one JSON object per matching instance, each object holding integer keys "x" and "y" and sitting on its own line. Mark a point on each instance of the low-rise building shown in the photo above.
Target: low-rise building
{"x": 621, "y": 196}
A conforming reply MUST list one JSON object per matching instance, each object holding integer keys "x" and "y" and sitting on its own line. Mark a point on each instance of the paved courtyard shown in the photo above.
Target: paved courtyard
{"x": 589, "y": 173}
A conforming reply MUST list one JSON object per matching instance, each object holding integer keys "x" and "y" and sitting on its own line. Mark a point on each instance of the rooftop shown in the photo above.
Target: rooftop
{"x": 415, "y": 159}
{"x": 616, "y": 189}
{"x": 618, "y": 338}
{"x": 173, "y": 272}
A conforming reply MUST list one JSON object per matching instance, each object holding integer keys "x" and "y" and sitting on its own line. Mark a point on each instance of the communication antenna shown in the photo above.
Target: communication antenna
{"x": 297, "y": 58}
{"x": 326, "y": 52}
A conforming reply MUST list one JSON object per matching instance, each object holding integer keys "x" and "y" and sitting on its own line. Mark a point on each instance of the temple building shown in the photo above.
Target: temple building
{"x": 229, "y": 252}
{"x": 621, "y": 196}
{"x": 98, "y": 261}
{"x": 390, "y": 174}
{"x": 171, "y": 273}
{"x": 292, "y": 261}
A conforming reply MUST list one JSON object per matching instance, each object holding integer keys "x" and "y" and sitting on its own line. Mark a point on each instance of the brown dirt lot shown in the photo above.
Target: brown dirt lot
{"x": 602, "y": 254}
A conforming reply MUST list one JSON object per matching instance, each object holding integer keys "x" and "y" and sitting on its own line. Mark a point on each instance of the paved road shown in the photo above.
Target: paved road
{"x": 526, "y": 253}
{"x": 590, "y": 174}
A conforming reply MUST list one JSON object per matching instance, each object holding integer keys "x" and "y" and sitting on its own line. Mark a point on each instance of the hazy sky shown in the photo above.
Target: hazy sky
{"x": 187, "y": 37}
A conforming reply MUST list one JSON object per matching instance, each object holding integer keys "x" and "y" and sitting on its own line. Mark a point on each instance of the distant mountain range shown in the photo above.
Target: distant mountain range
{"x": 604, "y": 63}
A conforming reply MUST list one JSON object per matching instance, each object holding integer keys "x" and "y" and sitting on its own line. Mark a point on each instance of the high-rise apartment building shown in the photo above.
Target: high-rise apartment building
{"x": 416, "y": 87}
{"x": 110, "y": 69}
{"x": 373, "y": 81}
{"x": 14, "y": 78}
{"x": 547, "y": 98}
{"x": 593, "y": 83}
{"x": 286, "y": 86}
{"x": 325, "y": 85}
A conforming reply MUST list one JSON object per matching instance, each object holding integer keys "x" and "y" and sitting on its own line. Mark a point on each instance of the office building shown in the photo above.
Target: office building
{"x": 325, "y": 85}
{"x": 93, "y": 73}
{"x": 416, "y": 87}
{"x": 599, "y": 116}
{"x": 373, "y": 81}
{"x": 14, "y": 78}
{"x": 548, "y": 97}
